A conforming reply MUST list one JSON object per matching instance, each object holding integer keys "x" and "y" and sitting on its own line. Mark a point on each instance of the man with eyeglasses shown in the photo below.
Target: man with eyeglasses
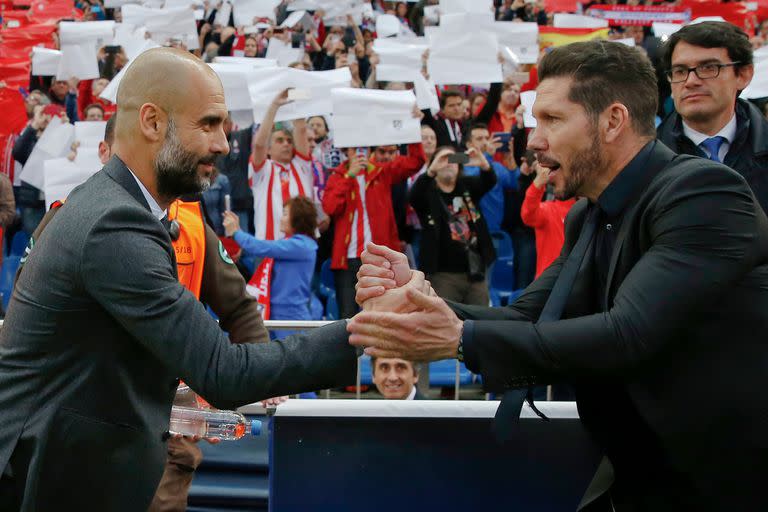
{"x": 708, "y": 64}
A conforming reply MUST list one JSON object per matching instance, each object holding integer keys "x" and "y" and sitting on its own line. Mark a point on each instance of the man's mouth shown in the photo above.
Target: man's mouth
{"x": 553, "y": 167}
{"x": 694, "y": 96}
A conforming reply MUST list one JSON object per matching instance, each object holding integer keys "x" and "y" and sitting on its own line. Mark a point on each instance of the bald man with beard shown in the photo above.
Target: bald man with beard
{"x": 99, "y": 330}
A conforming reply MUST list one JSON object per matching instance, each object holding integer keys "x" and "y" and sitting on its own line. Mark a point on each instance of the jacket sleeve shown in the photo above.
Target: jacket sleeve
{"x": 223, "y": 289}
{"x": 141, "y": 292}
{"x": 417, "y": 196}
{"x": 402, "y": 167}
{"x": 293, "y": 248}
{"x": 491, "y": 104}
{"x": 531, "y": 210}
{"x": 24, "y": 145}
{"x": 336, "y": 194}
{"x": 7, "y": 203}
{"x": 696, "y": 253}
{"x": 481, "y": 184}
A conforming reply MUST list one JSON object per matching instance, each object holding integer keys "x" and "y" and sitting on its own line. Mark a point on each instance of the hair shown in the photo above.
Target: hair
{"x": 414, "y": 366}
{"x": 477, "y": 126}
{"x": 109, "y": 130}
{"x": 449, "y": 94}
{"x": 439, "y": 150}
{"x": 605, "y": 72}
{"x": 325, "y": 123}
{"x": 93, "y": 105}
{"x": 303, "y": 217}
{"x": 285, "y": 132}
{"x": 712, "y": 34}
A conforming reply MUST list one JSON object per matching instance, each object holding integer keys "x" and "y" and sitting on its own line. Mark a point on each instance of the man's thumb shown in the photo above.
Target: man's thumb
{"x": 421, "y": 300}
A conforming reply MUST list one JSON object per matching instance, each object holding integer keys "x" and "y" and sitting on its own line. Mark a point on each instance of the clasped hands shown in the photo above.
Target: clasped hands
{"x": 402, "y": 315}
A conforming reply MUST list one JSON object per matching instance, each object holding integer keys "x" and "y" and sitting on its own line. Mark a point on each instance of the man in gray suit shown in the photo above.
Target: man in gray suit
{"x": 99, "y": 329}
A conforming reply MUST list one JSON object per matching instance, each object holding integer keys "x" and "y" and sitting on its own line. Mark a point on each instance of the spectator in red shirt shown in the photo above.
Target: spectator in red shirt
{"x": 546, "y": 218}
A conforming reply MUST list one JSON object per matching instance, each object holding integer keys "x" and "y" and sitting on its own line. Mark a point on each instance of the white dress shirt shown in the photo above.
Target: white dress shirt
{"x": 153, "y": 206}
{"x": 728, "y": 133}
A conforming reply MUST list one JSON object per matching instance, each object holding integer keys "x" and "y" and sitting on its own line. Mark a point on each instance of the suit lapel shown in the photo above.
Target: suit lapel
{"x": 119, "y": 172}
{"x": 660, "y": 157}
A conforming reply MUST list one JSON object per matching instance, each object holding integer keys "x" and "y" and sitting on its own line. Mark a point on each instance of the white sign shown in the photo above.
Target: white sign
{"x": 465, "y": 59}
{"x": 45, "y": 62}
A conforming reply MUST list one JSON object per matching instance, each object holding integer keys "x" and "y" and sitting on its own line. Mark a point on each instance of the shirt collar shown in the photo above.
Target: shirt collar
{"x": 153, "y": 206}
{"x": 618, "y": 193}
{"x": 728, "y": 132}
{"x": 412, "y": 395}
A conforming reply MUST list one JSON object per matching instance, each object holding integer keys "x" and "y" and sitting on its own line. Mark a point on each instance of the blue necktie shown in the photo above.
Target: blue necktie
{"x": 508, "y": 413}
{"x": 712, "y": 145}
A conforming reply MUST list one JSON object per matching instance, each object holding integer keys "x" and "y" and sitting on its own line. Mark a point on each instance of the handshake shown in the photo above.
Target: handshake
{"x": 402, "y": 315}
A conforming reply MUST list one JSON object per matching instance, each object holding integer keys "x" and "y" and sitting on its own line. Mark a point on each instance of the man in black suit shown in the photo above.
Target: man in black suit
{"x": 653, "y": 311}
{"x": 708, "y": 65}
{"x": 99, "y": 329}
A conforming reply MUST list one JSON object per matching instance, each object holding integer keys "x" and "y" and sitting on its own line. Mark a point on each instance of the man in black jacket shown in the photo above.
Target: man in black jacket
{"x": 708, "y": 65}
{"x": 234, "y": 166}
{"x": 651, "y": 311}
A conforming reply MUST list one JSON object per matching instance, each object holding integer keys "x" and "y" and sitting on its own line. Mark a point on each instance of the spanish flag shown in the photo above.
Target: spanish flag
{"x": 551, "y": 36}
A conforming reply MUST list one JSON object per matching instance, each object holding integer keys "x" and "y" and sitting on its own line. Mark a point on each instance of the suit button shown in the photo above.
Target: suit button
{"x": 609, "y": 227}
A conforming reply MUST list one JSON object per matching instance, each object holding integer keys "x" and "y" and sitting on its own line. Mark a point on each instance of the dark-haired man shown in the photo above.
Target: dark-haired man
{"x": 708, "y": 64}
{"x": 395, "y": 378}
{"x": 649, "y": 311}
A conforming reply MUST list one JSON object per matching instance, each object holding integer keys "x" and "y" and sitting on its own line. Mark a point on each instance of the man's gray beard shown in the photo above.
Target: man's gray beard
{"x": 176, "y": 168}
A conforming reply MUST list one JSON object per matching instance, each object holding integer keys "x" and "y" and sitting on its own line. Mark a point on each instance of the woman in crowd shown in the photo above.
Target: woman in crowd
{"x": 294, "y": 258}
{"x": 456, "y": 247}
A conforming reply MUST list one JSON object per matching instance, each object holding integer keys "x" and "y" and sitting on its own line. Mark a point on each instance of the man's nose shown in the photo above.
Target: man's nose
{"x": 537, "y": 141}
{"x": 219, "y": 144}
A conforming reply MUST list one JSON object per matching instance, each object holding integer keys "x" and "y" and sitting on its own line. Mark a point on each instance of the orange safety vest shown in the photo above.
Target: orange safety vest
{"x": 190, "y": 247}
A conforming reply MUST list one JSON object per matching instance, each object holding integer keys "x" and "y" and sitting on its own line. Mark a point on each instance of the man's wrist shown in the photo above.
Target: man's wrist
{"x": 460, "y": 347}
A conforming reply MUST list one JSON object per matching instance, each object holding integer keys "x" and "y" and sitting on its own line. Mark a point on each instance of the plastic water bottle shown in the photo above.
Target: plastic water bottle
{"x": 226, "y": 425}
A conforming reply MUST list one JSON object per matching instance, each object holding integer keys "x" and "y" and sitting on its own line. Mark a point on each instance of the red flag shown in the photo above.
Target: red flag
{"x": 42, "y": 11}
{"x": 15, "y": 72}
{"x": 561, "y": 5}
{"x": 735, "y": 13}
{"x": 14, "y": 112}
{"x": 18, "y": 43}
{"x": 643, "y": 15}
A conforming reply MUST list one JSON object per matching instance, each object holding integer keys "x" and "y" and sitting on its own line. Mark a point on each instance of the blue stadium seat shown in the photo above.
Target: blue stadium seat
{"x": 19, "y": 243}
{"x": 366, "y": 378}
{"x": 502, "y": 282}
{"x": 326, "y": 287}
{"x": 332, "y": 308}
{"x": 315, "y": 307}
{"x": 503, "y": 244}
{"x": 7, "y": 275}
{"x": 443, "y": 373}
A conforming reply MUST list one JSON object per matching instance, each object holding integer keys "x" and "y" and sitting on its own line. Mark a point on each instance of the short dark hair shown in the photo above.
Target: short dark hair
{"x": 604, "y": 72}
{"x": 414, "y": 366}
{"x": 449, "y": 94}
{"x": 477, "y": 126}
{"x": 712, "y": 34}
{"x": 303, "y": 216}
{"x": 109, "y": 130}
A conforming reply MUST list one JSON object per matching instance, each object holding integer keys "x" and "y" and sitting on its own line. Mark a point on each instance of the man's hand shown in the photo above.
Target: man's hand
{"x": 382, "y": 269}
{"x": 430, "y": 333}
{"x": 395, "y": 300}
{"x": 478, "y": 159}
{"x": 542, "y": 175}
{"x": 356, "y": 164}
{"x": 274, "y": 402}
{"x": 281, "y": 99}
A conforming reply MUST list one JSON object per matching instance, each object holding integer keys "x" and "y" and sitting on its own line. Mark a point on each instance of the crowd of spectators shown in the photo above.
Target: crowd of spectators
{"x": 443, "y": 201}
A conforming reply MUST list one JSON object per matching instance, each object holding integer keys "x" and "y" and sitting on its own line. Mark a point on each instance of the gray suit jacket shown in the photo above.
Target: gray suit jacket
{"x": 97, "y": 331}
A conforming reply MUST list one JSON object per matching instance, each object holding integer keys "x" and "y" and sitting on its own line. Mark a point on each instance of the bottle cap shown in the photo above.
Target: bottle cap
{"x": 255, "y": 428}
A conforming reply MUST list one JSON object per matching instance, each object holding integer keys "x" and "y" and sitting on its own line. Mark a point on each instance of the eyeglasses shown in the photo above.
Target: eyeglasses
{"x": 680, "y": 74}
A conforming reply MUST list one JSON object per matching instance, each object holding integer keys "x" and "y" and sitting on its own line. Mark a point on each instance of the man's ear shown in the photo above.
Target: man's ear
{"x": 744, "y": 76}
{"x": 614, "y": 120}
{"x": 153, "y": 122}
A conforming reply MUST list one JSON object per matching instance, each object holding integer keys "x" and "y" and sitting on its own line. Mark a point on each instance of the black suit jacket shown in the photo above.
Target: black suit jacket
{"x": 682, "y": 333}
{"x": 97, "y": 331}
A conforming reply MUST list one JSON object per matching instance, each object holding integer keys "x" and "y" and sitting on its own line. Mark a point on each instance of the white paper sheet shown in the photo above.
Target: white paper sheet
{"x": 265, "y": 84}
{"x": 55, "y": 142}
{"x": 451, "y": 6}
{"x": 113, "y": 4}
{"x": 469, "y": 58}
{"x": 234, "y": 79}
{"x": 387, "y": 25}
{"x": 45, "y": 62}
{"x": 565, "y": 20}
{"x": 432, "y": 14}
{"x": 176, "y": 23}
{"x": 71, "y": 32}
{"x": 189, "y": 4}
{"x": 249, "y": 62}
{"x": 60, "y": 176}
{"x": 284, "y": 53}
{"x": 526, "y": 99}
{"x": 758, "y": 88}
{"x": 130, "y": 38}
{"x": 301, "y": 18}
{"x": 462, "y": 22}
{"x": 79, "y": 60}
{"x": 664, "y": 30}
{"x": 247, "y": 10}
{"x": 397, "y": 61}
{"x": 223, "y": 14}
{"x": 89, "y": 133}
{"x": 388, "y": 120}
{"x": 336, "y": 12}
{"x": 426, "y": 94}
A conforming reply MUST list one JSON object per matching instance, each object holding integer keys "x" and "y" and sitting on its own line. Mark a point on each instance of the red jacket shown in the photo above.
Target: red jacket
{"x": 548, "y": 221}
{"x": 338, "y": 202}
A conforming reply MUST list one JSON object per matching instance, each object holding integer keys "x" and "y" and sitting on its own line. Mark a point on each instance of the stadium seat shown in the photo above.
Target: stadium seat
{"x": 503, "y": 244}
{"x": 332, "y": 308}
{"x": 443, "y": 373}
{"x": 502, "y": 282}
{"x": 326, "y": 287}
{"x": 19, "y": 243}
{"x": 315, "y": 307}
{"x": 366, "y": 378}
{"x": 7, "y": 275}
